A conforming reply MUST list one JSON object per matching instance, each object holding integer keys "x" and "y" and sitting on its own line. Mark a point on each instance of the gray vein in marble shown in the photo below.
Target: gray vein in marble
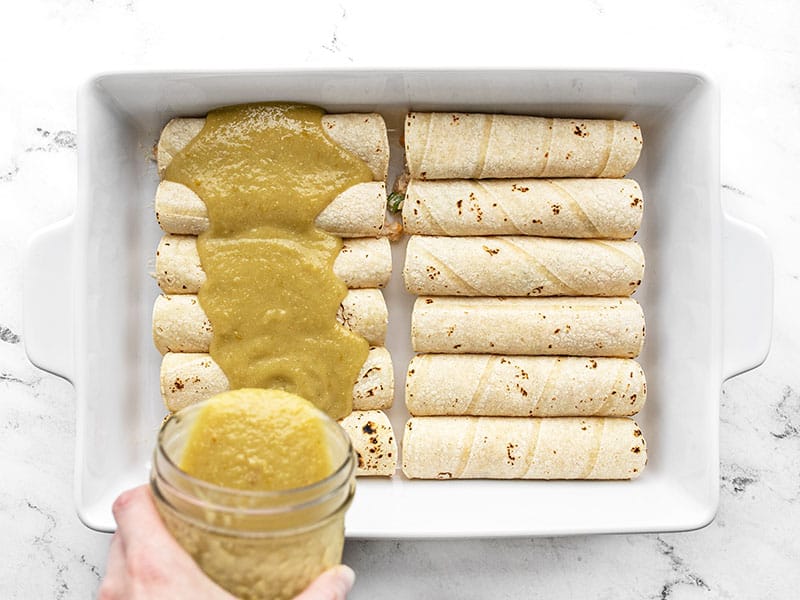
{"x": 9, "y": 378}
{"x": 8, "y": 336}
{"x": 333, "y": 46}
{"x": 598, "y": 8}
{"x": 46, "y": 537}
{"x": 6, "y": 377}
{"x": 11, "y": 425}
{"x": 736, "y": 479}
{"x": 682, "y": 575}
{"x": 787, "y": 407}
{"x": 723, "y": 414}
{"x": 93, "y": 568}
{"x": 10, "y": 175}
{"x": 60, "y": 140}
{"x": 728, "y": 415}
{"x": 735, "y": 190}
{"x": 44, "y": 541}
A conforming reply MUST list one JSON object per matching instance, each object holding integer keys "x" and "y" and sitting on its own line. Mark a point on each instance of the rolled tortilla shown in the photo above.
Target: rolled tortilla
{"x": 365, "y": 313}
{"x": 483, "y": 146}
{"x": 373, "y": 440}
{"x": 361, "y": 134}
{"x": 573, "y": 208}
{"x": 362, "y": 263}
{"x": 524, "y": 386}
{"x": 359, "y": 211}
{"x": 180, "y": 325}
{"x": 521, "y": 266}
{"x": 175, "y": 136}
{"x": 188, "y": 378}
{"x": 529, "y": 326}
{"x": 523, "y": 448}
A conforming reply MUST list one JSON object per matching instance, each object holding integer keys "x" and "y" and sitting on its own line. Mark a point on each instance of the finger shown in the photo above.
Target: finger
{"x": 114, "y": 581}
{"x": 333, "y": 584}
{"x": 115, "y": 564}
{"x": 152, "y": 556}
{"x": 138, "y": 523}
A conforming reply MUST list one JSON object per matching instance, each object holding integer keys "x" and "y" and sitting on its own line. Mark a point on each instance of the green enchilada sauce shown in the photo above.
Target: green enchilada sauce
{"x": 265, "y": 171}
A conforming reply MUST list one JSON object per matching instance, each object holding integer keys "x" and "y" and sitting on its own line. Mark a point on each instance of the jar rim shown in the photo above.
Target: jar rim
{"x": 265, "y": 495}
{"x": 256, "y": 533}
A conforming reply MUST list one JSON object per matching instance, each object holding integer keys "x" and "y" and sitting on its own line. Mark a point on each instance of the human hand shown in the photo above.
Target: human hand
{"x": 146, "y": 563}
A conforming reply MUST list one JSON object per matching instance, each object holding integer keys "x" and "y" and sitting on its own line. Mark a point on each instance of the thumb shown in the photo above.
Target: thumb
{"x": 333, "y": 584}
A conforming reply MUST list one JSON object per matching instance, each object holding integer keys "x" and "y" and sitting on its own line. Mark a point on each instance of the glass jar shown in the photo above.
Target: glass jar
{"x": 264, "y": 545}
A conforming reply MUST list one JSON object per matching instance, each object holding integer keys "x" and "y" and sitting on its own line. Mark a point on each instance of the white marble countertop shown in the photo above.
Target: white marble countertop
{"x": 752, "y": 550}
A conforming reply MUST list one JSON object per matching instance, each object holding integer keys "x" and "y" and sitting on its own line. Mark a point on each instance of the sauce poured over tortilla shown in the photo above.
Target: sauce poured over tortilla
{"x": 265, "y": 171}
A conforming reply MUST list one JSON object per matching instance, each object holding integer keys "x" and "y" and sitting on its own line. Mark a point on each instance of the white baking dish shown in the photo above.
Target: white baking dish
{"x": 707, "y": 292}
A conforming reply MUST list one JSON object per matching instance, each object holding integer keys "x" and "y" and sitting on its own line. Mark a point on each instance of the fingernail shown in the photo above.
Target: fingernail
{"x": 347, "y": 575}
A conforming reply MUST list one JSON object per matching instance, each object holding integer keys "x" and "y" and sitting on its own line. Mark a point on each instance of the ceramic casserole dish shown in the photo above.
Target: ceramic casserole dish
{"x": 707, "y": 291}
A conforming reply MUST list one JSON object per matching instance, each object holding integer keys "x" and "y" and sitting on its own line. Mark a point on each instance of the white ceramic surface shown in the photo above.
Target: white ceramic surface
{"x": 706, "y": 293}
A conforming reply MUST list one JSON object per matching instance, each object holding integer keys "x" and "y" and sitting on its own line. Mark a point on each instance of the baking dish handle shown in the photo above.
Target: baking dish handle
{"x": 747, "y": 296}
{"x": 48, "y": 299}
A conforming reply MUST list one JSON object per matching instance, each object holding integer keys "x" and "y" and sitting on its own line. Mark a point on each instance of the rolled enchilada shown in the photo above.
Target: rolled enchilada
{"x": 361, "y": 134}
{"x": 571, "y": 208}
{"x": 521, "y": 266}
{"x": 523, "y": 448}
{"x": 373, "y": 442}
{"x": 524, "y": 386}
{"x": 361, "y": 263}
{"x": 188, "y": 378}
{"x": 359, "y": 211}
{"x": 180, "y": 325}
{"x": 484, "y": 146}
{"x": 574, "y": 326}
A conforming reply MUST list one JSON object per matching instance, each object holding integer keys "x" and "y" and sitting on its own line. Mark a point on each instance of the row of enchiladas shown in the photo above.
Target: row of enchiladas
{"x": 524, "y": 326}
